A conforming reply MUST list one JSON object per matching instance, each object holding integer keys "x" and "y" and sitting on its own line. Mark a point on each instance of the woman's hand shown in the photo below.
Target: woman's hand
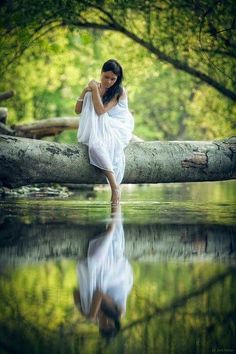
{"x": 87, "y": 88}
{"x": 93, "y": 84}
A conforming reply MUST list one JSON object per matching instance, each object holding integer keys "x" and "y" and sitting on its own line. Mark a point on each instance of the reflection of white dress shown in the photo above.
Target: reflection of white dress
{"x": 106, "y": 269}
{"x": 106, "y": 135}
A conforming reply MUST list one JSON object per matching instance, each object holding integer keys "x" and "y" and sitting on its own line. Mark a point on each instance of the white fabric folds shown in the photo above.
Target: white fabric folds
{"x": 106, "y": 268}
{"x": 106, "y": 135}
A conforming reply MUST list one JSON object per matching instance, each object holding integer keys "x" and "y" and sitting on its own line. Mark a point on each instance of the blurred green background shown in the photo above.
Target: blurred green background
{"x": 48, "y": 58}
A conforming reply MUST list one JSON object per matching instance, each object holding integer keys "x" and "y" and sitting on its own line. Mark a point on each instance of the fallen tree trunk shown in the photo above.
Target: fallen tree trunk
{"x": 6, "y": 130}
{"x": 6, "y": 95}
{"x": 26, "y": 161}
{"x": 45, "y": 127}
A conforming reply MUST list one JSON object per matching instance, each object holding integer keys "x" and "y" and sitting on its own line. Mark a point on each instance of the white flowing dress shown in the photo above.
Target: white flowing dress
{"x": 106, "y": 269}
{"x": 106, "y": 135}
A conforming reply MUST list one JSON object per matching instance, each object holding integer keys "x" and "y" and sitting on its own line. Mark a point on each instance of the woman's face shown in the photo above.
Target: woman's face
{"x": 108, "y": 78}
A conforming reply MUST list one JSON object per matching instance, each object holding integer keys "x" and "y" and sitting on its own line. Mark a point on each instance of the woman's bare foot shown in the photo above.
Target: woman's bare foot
{"x": 115, "y": 196}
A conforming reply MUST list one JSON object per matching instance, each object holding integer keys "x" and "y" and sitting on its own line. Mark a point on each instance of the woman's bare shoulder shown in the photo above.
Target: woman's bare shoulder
{"x": 124, "y": 93}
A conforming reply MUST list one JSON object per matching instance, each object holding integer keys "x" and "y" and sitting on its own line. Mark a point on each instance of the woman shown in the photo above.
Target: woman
{"x": 105, "y": 279}
{"x": 106, "y": 124}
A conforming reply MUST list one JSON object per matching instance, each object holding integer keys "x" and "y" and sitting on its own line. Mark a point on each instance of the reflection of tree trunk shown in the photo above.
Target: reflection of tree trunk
{"x": 156, "y": 242}
{"x": 181, "y": 301}
{"x": 26, "y": 161}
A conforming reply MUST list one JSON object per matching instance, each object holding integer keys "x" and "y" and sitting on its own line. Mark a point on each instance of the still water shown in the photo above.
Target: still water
{"x": 166, "y": 257}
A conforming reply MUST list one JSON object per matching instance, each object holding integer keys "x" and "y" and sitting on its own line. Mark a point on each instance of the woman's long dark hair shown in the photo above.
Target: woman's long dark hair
{"x": 113, "y": 312}
{"x": 116, "y": 88}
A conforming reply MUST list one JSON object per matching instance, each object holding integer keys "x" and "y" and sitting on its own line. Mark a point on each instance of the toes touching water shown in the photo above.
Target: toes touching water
{"x": 115, "y": 196}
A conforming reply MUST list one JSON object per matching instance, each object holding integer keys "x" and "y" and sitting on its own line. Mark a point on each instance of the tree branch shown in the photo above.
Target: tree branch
{"x": 177, "y": 64}
{"x": 181, "y": 301}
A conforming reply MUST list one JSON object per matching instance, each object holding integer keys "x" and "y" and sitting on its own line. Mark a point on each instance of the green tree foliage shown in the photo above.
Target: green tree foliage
{"x": 196, "y": 37}
{"x": 48, "y": 60}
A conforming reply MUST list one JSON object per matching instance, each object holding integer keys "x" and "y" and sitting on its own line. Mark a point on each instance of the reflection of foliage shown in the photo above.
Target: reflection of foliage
{"x": 36, "y": 307}
{"x": 178, "y": 303}
{"x": 185, "y": 316}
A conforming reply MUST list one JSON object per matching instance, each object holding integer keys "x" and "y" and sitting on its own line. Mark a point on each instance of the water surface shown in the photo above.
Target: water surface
{"x": 179, "y": 241}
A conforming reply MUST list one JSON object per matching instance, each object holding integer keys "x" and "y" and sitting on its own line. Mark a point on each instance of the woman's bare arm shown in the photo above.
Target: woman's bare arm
{"x": 79, "y": 104}
{"x": 77, "y": 300}
{"x": 99, "y": 107}
{"x": 95, "y": 305}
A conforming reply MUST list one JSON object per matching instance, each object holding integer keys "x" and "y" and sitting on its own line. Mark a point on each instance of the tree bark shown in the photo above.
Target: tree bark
{"x": 46, "y": 127}
{"x": 26, "y": 161}
{"x": 6, "y": 95}
{"x": 6, "y": 130}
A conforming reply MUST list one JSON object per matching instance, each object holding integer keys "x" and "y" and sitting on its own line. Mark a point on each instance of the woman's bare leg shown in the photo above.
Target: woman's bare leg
{"x": 115, "y": 190}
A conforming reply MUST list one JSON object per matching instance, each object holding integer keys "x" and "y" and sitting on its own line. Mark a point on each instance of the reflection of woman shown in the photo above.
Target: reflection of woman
{"x": 106, "y": 124}
{"x": 105, "y": 279}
